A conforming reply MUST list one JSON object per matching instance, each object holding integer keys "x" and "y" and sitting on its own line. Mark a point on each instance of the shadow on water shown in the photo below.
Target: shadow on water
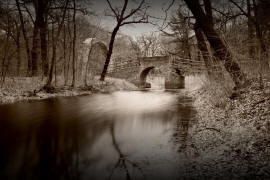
{"x": 185, "y": 119}
{"x": 124, "y": 135}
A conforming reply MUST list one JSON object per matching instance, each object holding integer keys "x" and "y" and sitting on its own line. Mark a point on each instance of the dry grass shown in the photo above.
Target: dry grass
{"x": 233, "y": 136}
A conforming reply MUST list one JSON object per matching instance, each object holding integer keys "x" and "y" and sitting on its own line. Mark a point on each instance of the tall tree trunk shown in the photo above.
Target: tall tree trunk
{"x": 4, "y": 58}
{"x": 69, "y": 46}
{"x": 220, "y": 50}
{"x": 29, "y": 65}
{"x": 18, "y": 49}
{"x": 109, "y": 53}
{"x": 53, "y": 59}
{"x": 55, "y": 38}
{"x": 55, "y": 73}
{"x": 43, "y": 44}
{"x": 263, "y": 54}
{"x": 64, "y": 54}
{"x": 7, "y": 56}
{"x": 251, "y": 51}
{"x": 74, "y": 45}
{"x": 35, "y": 49}
{"x": 68, "y": 63}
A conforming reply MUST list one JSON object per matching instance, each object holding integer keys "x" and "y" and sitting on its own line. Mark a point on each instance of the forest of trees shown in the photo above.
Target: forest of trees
{"x": 45, "y": 38}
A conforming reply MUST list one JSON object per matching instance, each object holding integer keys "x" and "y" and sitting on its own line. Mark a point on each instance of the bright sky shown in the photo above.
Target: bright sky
{"x": 136, "y": 29}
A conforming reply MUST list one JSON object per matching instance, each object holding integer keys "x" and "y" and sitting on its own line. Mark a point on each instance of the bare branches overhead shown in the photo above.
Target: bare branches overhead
{"x": 139, "y": 13}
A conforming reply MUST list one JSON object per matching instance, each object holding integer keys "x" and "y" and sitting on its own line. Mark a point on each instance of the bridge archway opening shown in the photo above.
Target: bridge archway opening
{"x": 178, "y": 72}
{"x": 144, "y": 74}
{"x": 152, "y": 77}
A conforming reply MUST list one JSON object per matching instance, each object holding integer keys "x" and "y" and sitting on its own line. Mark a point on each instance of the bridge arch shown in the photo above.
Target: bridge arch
{"x": 173, "y": 77}
{"x": 144, "y": 74}
{"x": 178, "y": 72}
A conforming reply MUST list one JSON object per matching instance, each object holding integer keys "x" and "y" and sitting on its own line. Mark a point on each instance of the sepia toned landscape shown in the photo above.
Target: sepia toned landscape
{"x": 134, "y": 89}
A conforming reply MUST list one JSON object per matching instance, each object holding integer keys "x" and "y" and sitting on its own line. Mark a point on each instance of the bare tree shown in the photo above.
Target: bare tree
{"x": 181, "y": 27}
{"x": 25, "y": 38}
{"x": 250, "y": 29}
{"x": 136, "y": 47}
{"x": 74, "y": 45}
{"x": 254, "y": 21}
{"x": 220, "y": 49}
{"x": 203, "y": 48}
{"x": 202, "y": 45}
{"x": 70, "y": 46}
{"x": 139, "y": 16}
{"x": 34, "y": 51}
{"x": 55, "y": 43}
{"x": 16, "y": 36}
{"x": 149, "y": 44}
{"x": 6, "y": 24}
{"x": 44, "y": 7}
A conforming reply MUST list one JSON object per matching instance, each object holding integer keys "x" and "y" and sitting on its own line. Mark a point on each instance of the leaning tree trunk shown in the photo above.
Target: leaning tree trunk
{"x": 208, "y": 11}
{"x": 203, "y": 48}
{"x": 220, "y": 50}
{"x": 109, "y": 53}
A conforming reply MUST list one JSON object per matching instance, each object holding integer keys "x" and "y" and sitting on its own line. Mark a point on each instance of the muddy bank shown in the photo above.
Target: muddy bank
{"x": 231, "y": 138}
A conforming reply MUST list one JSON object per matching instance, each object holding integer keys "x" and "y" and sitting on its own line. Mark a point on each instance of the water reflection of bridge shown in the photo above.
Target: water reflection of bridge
{"x": 173, "y": 68}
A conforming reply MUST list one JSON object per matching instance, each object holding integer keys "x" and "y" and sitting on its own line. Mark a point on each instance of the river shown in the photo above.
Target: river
{"x": 121, "y": 135}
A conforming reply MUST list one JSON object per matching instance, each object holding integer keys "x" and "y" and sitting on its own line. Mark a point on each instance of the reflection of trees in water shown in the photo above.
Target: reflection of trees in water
{"x": 44, "y": 147}
{"x": 52, "y": 146}
{"x": 58, "y": 146}
{"x": 123, "y": 161}
{"x": 185, "y": 116}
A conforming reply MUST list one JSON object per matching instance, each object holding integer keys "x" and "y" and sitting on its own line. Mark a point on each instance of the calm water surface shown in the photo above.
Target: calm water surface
{"x": 123, "y": 135}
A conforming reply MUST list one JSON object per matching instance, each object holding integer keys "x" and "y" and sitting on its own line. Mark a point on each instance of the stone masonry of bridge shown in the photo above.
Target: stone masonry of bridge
{"x": 136, "y": 71}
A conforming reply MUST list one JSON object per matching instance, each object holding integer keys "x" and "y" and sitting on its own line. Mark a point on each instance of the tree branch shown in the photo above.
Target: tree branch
{"x": 135, "y": 22}
{"x": 29, "y": 13}
{"x": 239, "y": 7}
{"x": 113, "y": 10}
{"x": 123, "y": 10}
{"x": 243, "y": 11}
{"x": 133, "y": 11}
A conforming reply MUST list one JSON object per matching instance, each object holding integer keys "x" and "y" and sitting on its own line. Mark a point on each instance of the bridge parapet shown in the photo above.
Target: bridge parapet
{"x": 188, "y": 66}
{"x": 174, "y": 69}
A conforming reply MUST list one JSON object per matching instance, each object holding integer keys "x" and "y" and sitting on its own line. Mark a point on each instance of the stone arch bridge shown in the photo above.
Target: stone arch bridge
{"x": 173, "y": 69}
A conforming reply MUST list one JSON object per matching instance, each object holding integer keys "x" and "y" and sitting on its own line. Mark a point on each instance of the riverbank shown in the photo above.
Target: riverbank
{"x": 231, "y": 138}
{"x": 28, "y": 89}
